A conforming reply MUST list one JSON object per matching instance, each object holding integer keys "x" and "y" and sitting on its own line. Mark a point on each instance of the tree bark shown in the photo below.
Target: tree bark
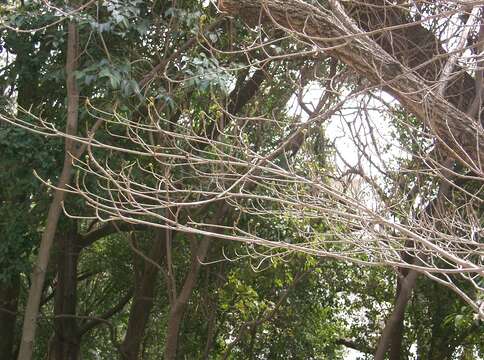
{"x": 459, "y": 134}
{"x": 396, "y": 340}
{"x": 40, "y": 267}
{"x": 143, "y": 299}
{"x": 9, "y": 293}
{"x": 179, "y": 306}
{"x": 391, "y": 327}
{"x": 412, "y": 44}
{"x": 67, "y": 341}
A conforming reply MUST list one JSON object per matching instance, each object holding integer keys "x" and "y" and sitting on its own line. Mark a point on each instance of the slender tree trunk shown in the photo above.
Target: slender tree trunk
{"x": 391, "y": 327}
{"x": 40, "y": 267}
{"x": 142, "y": 301}
{"x": 66, "y": 342}
{"x": 9, "y": 293}
{"x": 178, "y": 308}
{"x": 174, "y": 322}
{"x": 238, "y": 98}
{"x": 395, "y": 352}
{"x": 392, "y": 335}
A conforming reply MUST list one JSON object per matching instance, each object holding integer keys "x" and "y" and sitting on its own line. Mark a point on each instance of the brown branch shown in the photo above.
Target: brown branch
{"x": 355, "y": 345}
{"x": 95, "y": 321}
{"x": 109, "y": 229}
{"x": 335, "y": 33}
{"x": 238, "y": 98}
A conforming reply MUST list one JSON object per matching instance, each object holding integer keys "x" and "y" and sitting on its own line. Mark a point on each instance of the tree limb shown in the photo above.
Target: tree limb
{"x": 336, "y": 33}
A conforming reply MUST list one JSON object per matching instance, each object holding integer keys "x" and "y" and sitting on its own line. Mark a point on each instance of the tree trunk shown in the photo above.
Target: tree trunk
{"x": 457, "y": 133}
{"x": 66, "y": 342}
{"x": 178, "y": 308}
{"x": 396, "y": 341}
{"x": 393, "y": 332}
{"x": 142, "y": 301}
{"x": 412, "y": 44}
{"x": 391, "y": 327}
{"x": 172, "y": 332}
{"x": 40, "y": 267}
{"x": 9, "y": 293}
